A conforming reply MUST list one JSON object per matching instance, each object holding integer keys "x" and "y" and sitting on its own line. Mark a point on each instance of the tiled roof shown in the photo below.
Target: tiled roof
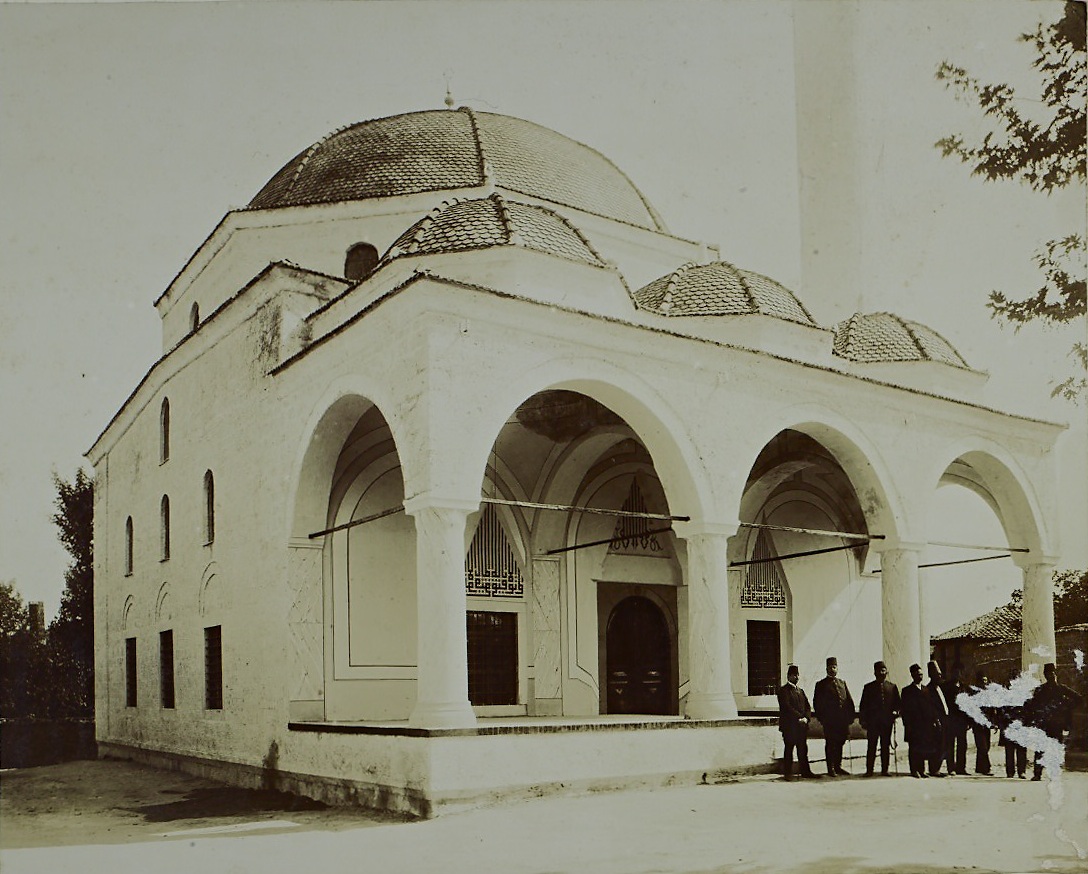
{"x": 888, "y": 337}
{"x": 460, "y": 225}
{"x": 720, "y": 289}
{"x": 1002, "y": 623}
{"x": 438, "y": 150}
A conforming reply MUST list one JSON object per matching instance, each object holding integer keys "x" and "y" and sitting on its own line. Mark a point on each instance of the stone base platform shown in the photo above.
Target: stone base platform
{"x": 425, "y": 772}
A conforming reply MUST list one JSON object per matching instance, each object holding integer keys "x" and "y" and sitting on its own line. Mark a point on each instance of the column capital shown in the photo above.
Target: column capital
{"x": 890, "y": 543}
{"x": 1024, "y": 560}
{"x": 704, "y": 527}
{"x": 429, "y": 501}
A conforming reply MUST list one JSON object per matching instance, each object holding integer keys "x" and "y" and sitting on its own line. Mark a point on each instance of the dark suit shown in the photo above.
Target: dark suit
{"x": 835, "y": 709}
{"x": 793, "y": 706}
{"x": 877, "y": 712}
{"x": 942, "y": 728}
{"x": 921, "y": 726}
{"x": 955, "y": 729}
{"x": 1050, "y": 708}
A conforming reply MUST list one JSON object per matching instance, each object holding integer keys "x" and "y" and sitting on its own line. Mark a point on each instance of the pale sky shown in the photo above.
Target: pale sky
{"x": 128, "y": 130}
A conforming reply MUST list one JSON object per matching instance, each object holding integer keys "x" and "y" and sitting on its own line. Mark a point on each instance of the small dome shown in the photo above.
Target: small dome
{"x": 440, "y": 150}
{"x": 888, "y": 337}
{"x": 720, "y": 289}
{"x": 463, "y": 225}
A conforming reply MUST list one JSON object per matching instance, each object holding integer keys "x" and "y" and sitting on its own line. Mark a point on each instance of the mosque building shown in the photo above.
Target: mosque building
{"x": 461, "y": 477}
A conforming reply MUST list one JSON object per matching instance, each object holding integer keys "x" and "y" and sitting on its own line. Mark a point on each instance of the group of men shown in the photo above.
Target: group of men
{"x": 935, "y": 725}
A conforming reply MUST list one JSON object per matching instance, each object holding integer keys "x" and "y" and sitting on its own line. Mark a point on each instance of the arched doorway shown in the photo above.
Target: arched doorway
{"x": 638, "y": 658}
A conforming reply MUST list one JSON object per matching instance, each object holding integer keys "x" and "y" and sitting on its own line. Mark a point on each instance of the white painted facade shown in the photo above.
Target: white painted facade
{"x": 315, "y": 401}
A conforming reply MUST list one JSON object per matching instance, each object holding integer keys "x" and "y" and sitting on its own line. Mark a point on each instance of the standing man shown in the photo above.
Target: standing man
{"x": 878, "y": 711}
{"x": 941, "y": 728}
{"x": 982, "y": 734}
{"x": 958, "y": 723}
{"x": 794, "y": 713}
{"x": 835, "y": 709}
{"x": 919, "y": 722}
{"x": 1051, "y": 709}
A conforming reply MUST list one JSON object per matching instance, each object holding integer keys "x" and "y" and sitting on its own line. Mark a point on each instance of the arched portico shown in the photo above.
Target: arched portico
{"x": 991, "y": 472}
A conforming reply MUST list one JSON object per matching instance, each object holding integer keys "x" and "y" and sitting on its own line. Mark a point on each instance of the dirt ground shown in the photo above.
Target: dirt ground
{"x": 116, "y": 817}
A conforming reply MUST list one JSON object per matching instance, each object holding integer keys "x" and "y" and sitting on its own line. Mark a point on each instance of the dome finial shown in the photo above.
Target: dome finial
{"x": 449, "y": 97}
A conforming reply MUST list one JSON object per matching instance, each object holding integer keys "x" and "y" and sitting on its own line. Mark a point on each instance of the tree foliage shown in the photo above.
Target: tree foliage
{"x": 1070, "y": 597}
{"x": 1040, "y": 142}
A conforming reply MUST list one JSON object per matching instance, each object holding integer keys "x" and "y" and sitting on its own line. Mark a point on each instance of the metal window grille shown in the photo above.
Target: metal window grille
{"x": 632, "y": 534}
{"x": 764, "y": 582}
{"x": 764, "y": 657}
{"x": 166, "y": 668}
{"x": 492, "y": 657}
{"x": 130, "y": 671}
{"x": 491, "y": 569}
{"x": 213, "y": 668}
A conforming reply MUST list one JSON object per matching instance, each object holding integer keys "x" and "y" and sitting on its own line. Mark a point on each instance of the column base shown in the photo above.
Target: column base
{"x": 443, "y": 714}
{"x": 711, "y": 705}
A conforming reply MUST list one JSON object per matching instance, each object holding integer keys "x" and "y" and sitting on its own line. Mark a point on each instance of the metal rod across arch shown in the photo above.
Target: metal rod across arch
{"x": 371, "y": 518}
{"x": 599, "y": 511}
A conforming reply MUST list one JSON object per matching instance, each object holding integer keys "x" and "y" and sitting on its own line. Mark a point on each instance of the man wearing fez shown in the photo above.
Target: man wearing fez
{"x": 937, "y": 698}
{"x": 1051, "y": 709}
{"x": 834, "y": 708}
{"x": 957, "y": 725}
{"x": 920, "y": 726}
{"x": 794, "y": 713}
{"x": 877, "y": 713}
{"x": 982, "y": 733}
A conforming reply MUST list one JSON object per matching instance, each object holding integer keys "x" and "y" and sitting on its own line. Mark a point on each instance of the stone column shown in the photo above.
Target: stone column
{"x": 442, "y": 685}
{"x": 710, "y": 682}
{"x": 901, "y": 610}
{"x": 1037, "y": 641}
{"x": 544, "y": 614}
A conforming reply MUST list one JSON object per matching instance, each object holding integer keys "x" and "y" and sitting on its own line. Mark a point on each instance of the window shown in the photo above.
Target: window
{"x": 130, "y": 671}
{"x": 492, "y": 657}
{"x": 164, "y": 431}
{"x": 491, "y": 570}
{"x": 128, "y": 546}
{"x": 213, "y": 668}
{"x": 764, "y": 657}
{"x": 209, "y": 507}
{"x": 166, "y": 668}
{"x": 359, "y": 261}
{"x": 164, "y": 516}
{"x": 194, "y": 318}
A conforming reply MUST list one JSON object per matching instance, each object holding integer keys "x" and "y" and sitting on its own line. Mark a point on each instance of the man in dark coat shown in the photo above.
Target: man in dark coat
{"x": 794, "y": 713}
{"x": 834, "y": 708}
{"x": 877, "y": 713}
{"x": 941, "y": 727}
{"x": 982, "y": 734}
{"x": 920, "y": 723}
{"x": 957, "y": 725}
{"x": 1051, "y": 709}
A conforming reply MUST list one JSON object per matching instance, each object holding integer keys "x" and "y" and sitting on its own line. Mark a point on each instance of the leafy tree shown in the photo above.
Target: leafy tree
{"x": 1044, "y": 150}
{"x": 1070, "y": 597}
{"x": 71, "y": 634}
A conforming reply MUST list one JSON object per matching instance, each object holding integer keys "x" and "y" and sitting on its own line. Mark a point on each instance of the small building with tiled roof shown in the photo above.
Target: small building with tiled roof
{"x": 459, "y": 476}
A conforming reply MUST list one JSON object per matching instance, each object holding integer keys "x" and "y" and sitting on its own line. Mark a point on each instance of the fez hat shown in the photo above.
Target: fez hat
{"x": 793, "y": 669}
{"x": 831, "y": 660}
{"x": 915, "y": 667}
{"x": 878, "y": 665}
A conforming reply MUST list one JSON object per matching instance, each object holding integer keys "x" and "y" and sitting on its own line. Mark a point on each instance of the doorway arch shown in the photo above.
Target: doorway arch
{"x": 638, "y": 658}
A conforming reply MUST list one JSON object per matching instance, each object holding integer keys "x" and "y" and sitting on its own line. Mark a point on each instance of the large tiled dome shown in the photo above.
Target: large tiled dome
{"x": 720, "y": 289}
{"x": 874, "y": 337}
{"x": 438, "y": 150}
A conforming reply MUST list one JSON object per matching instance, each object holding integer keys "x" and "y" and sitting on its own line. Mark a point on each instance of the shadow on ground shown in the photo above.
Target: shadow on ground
{"x": 227, "y": 801}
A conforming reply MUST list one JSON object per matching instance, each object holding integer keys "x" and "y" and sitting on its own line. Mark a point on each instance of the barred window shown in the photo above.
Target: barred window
{"x": 764, "y": 657}
{"x": 213, "y": 668}
{"x": 492, "y": 657}
{"x": 764, "y": 582}
{"x": 130, "y": 671}
{"x": 166, "y": 668}
{"x": 491, "y": 568}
